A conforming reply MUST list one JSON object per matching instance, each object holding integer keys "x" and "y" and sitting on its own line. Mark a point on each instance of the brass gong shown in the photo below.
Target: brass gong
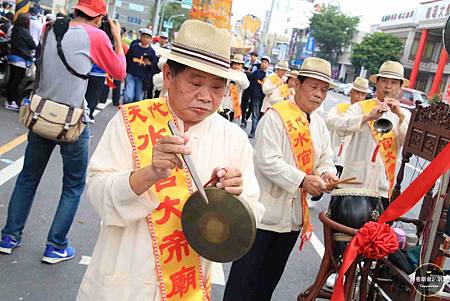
{"x": 222, "y": 230}
{"x": 218, "y": 225}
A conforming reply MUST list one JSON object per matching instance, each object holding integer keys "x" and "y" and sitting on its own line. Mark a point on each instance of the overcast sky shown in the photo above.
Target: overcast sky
{"x": 370, "y": 11}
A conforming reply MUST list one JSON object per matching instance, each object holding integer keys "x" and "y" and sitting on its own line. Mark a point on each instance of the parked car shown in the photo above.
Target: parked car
{"x": 341, "y": 87}
{"x": 410, "y": 97}
{"x": 336, "y": 84}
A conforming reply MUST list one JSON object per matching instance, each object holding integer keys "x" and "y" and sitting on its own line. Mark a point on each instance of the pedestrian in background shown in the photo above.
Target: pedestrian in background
{"x": 21, "y": 58}
{"x": 141, "y": 65}
{"x": 83, "y": 44}
{"x": 258, "y": 78}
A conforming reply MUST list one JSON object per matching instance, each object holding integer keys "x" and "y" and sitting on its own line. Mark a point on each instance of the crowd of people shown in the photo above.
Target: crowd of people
{"x": 137, "y": 182}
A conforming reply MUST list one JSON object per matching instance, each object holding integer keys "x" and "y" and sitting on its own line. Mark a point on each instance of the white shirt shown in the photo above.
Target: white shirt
{"x": 332, "y": 120}
{"x": 272, "y": 93}
{"x": 242, "y": 84}
{"x": 362, "y": 145}
{"x": 36, "y": 29}
{"x": 278, "y": 177}
{"x": 123, "y": 266}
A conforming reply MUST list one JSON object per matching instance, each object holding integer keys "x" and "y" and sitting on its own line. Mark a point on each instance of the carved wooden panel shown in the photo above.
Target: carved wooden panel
{"x": 429, "y": 131}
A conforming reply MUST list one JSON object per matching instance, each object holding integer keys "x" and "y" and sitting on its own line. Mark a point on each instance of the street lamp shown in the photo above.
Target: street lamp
{"x": 159, "y": 21}
{"x": 169, "y": 21}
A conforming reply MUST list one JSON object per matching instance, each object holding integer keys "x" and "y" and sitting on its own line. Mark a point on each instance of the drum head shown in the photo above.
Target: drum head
{"x": 222, "y": 231}
{"x": 446, "y": 35}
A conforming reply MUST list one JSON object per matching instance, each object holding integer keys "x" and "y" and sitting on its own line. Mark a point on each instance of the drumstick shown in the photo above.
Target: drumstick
{"x": 344, "y": 181}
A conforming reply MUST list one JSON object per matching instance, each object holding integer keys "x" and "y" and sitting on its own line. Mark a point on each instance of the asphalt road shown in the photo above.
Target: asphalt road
{"x": 24, "y": 277}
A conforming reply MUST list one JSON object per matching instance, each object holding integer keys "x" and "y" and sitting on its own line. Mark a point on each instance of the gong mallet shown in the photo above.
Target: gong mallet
{"x": 190, "y": 165}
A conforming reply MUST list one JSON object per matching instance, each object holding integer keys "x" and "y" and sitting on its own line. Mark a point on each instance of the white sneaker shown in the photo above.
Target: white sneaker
{"x": 331, "y": 280}
{"x": 11, "y": 106}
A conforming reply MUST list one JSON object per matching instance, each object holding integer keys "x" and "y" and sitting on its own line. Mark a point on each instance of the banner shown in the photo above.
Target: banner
{"x": 217, "y": 13}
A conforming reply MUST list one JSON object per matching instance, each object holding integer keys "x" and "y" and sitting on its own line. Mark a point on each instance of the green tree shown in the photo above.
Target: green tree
{"x": 375, "y": 49}
{"x": 333, "y": 31}
{"x": 174, "y": 9}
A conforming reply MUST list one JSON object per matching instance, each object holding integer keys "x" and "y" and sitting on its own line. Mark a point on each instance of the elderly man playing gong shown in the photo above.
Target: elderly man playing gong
{"x": 139, "y": 185}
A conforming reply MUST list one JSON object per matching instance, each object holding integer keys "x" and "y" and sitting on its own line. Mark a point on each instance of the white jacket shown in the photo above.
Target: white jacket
{"x": 242, "y": 84}
{"x": 278, "y": 177}
{"x": 272, "y": 93}
{"x": 123, "y": 265}
{"x": 362, "y": 145}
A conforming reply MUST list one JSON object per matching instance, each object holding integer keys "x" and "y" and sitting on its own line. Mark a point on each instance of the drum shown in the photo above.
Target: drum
{"x": 354, "y": 207}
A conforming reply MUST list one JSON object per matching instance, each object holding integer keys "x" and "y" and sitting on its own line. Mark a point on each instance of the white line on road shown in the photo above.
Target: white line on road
{"x": 11, "y": 171}
{"x": 85, "y": 260}
{"x": 317, "y": 244}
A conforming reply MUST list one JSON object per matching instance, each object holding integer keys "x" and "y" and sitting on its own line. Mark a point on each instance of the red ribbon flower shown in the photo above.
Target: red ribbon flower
{"x": 376, "y": 240}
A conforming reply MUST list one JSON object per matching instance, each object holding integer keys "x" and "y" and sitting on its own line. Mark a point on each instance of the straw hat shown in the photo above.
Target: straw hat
{"x": 390, "y": 69}
{"x": 361, "y": 84}
{"x": 316, "y": 68}
{"x": 238, "y": 58}
{"x": 282, "y": 65}
{"x": 293, "y": 73}
{"x": 201, "y": 46}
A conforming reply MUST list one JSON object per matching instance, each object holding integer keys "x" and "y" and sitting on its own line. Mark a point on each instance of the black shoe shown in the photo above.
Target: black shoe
{"x": 251, "y": 136}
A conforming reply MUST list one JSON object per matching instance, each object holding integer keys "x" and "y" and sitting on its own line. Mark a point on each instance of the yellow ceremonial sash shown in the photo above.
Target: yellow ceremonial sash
{"x": 343, "y": 107}
{"x": 297, "y": 128}
{"x": 284, "y": 89}
{"x": 386, "y": 144}
{"x": 235, "y": 97}
{"x": 178, "y": 266}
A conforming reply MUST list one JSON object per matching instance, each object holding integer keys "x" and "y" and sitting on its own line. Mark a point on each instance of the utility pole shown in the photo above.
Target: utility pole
{"x": 155, "y": 16}
{"x": 267, "y": 25}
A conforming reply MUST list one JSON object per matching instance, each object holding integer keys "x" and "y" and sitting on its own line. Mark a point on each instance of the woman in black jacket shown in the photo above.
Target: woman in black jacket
{"x": 22, "y": 46}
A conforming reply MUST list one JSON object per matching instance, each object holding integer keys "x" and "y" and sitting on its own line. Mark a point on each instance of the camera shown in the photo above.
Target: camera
{"x": 106, "y": 27}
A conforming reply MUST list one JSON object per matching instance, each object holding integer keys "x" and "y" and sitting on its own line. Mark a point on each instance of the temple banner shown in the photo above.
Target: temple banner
{"x": 217, "y": 13}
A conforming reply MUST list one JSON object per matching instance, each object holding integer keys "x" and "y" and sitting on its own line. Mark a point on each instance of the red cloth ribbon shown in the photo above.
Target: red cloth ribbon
{"x": 376, "y": 240}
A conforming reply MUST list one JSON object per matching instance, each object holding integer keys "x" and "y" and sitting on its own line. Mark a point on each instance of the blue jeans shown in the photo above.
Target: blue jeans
{"x": 134, "y": 90}
{"x": 256, "y": 105}
{"x": 75, "y": 160}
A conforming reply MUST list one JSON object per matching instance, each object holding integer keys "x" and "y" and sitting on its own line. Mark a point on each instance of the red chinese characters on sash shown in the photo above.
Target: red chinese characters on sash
{"x": 386, "y": 144}
{"x": 297, "y": 128}
{"x": 178, "y": 266}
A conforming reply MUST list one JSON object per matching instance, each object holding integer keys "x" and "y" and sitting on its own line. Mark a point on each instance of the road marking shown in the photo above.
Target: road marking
{"x": 85, "y": 260}
{"x": 317, "y": 244}
{"x": 11, "y": 171}
{"x": 12, "y": 144}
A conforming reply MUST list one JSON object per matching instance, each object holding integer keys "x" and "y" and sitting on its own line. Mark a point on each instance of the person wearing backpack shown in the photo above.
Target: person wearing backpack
{"x": 20, "y": 58}
{"x": 83, "y": 45}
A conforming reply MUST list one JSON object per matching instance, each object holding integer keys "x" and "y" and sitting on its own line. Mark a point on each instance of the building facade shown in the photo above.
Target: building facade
{"x": 132, "y": 14}
{"x": 346, "y": 72}
{"x": 424, "y": 57}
